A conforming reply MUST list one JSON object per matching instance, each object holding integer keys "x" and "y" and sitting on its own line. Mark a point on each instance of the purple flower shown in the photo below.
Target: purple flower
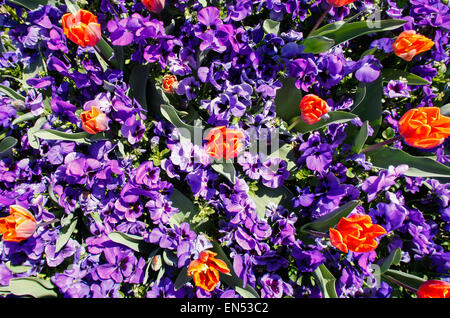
{"x": 71, "y": 282}
{"x": 133, "y": 129}
{"x": 307, "y": 260}
{"x": 274, "y": 287}
{"x": 274, "y": 172}
{"x": 120, "y": 264}
{"x": 106, "y": 289}
{"x": 397, "y": 88}
{"x": 386, "y": 178}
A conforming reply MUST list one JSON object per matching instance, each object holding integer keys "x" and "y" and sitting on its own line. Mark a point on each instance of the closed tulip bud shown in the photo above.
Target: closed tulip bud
{"x": 155, "y": 6}
{"x": 434, "y": 289}
{"x": 19, "y": 225}
{"x": 409, "y": 44}
{"x": 424, "y": 127}
{"x": 81, "y": 28}
{"x": 313, "y": 108}
{"x": 94, "y": 120}
{"x": 339, "y": 3}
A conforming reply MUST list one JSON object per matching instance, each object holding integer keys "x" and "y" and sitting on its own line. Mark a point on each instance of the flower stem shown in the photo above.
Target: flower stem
{"x": 399, "y": 283}
{"x": 318, "y": 234}
{"x": 381, "y": 144}
{"x": 320, "y": 20}
{"x": 299, "y": 119}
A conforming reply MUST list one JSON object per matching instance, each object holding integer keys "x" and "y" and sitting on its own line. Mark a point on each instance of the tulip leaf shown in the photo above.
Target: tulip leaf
{"x": 33, "y": 140}
{"x": 11, "y": 93}
{"x": 138, "y": 83}
{"x": 384, "y": 157}
{"x": 7, "y": 143}
{"x": 226, "y": 169}
{"x": 24, "y": 117}
{"x": 288, "y": 99}
{"x": 134, "y": 242}
{"x": 445, "y": 110}
{"x": 406, "y": 278}
{"x": 182, "y": 278}
{"x": 326, "y": 281}
{"x": 31, "y": 286}
{"x": 271, "y": 26}
{"x": 317, "y": 44}
{"x": 68, "y": 225}
{"x": 186, "y": 132}
{"x": 393, "y": 74}
{"x": 342, "y": 32}
{"x": 17, "y": 269}
{"x": 333, "y": 117}
{"x": 51, "y": 134}
{"x": 72, "y": 6}
{"x": 361, "y": 137}
{"x": 277, "y": 196}
{"x": 186, "y": 210}
{"x": 287, "y": 153}
{"x": 244, "y": 293}
{"x": 393, "y": 259}
{"x": 369, "y": 108}
{"x": 29, "y": 4}
{"x": 324, "y": 223}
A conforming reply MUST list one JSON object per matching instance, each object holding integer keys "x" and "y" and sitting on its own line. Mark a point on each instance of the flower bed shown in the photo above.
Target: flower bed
{"x": 232, "y": 149}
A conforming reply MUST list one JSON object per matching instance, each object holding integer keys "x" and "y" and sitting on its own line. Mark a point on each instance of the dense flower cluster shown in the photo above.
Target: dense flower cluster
{"x": 109, "y": 186}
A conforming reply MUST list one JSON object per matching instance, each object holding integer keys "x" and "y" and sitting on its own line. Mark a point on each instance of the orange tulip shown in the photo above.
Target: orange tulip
{"x": 224, "y": 143}
{"x": 169, "y": 83}
{"x": 94, "y": 120}
{"x": 205, "y": 270}
{"x": 313, "y": 107}
{"x": 339, "y": 3}
{"x": 19, "y": 225}
{"x": 424, "y": 127}
{"x": 434, "y": 289}
{"x": 155, "y": 6}
{"x": 409, "y": 44}
{"x": 81, "y": 28}
{"x": 356, "y": 233}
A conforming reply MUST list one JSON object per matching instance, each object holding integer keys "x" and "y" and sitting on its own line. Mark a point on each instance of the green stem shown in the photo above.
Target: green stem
{"x": 318, "y": 234}
{"x": 381, "y": 144}
{"x": 299, "y": 119}
{"x": 320, "y": 20}
{"x": 399, "y": 283}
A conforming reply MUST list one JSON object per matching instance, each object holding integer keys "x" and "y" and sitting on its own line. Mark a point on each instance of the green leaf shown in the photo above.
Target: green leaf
{"x": 72, "y": 6}
{"x": 182, "y": 278}
{"x": 271, "y": 26}
{"x": 406, "y": 278}
{"x": 186, "y": 132}
{"x": 170, "y": 258}
{"x": 51, "y": 134}
{"x": 317, "y": 44}
{"x": 393, "y": 74}
{"x": 384, "y": 157}
{"x": 445, "y": 110}
{"x": 287, "y": 153}
{"x": 138, "y": 83}
{"x": 186, "y": 208}
{"x": 106, "y": 54}
{"x": 33, "y": 140}
{"x": 226, "y": 169}
{"x": 392, "y": 259}
{"x": 288, "y": 99}
{"x": 134, "y": 242}
{"x": 68, "y": 225}
{"x": 31, "y": 286}
{"x": 344, "y": 32}
{"x": 29, "y": 4}
{"x": 326, "y": 281}
{"x": 334, "y": 117}
{"x": 264, "y": 195}
{"x": 25, "y": 117}
{"x": 11, "y": 93}
{"x": 330, "y": 220}
{"x": 7, "y": 143}
{"x": 17, "y": 269}
{"x": 361, "y": 137}
{"x": 244, "y": 293}
{"x": 369, "y": 108}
